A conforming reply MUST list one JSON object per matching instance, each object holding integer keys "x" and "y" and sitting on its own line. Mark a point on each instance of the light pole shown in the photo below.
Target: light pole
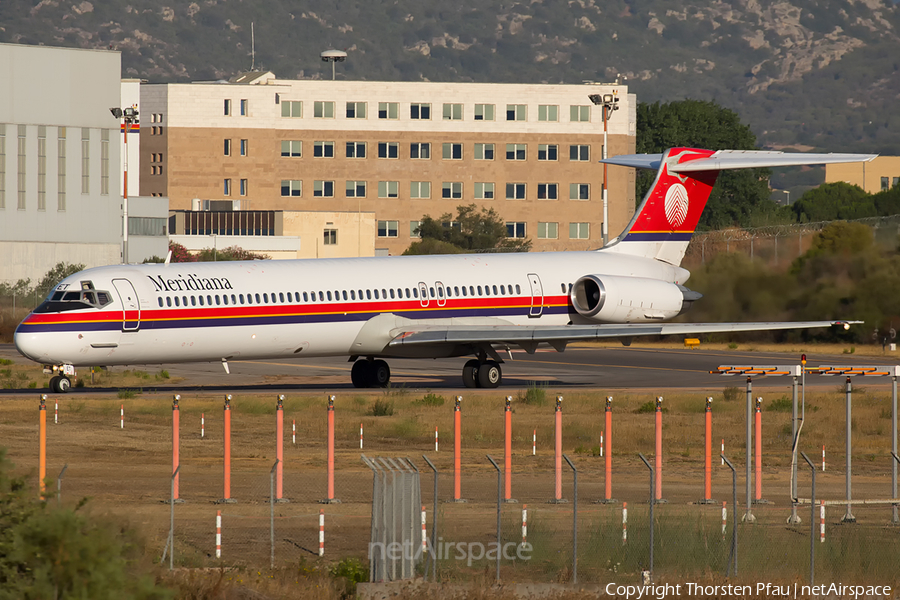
{"x": 607, "y": 102}
{"x": 333, "y": 56}
{"x": 130, "y": 116}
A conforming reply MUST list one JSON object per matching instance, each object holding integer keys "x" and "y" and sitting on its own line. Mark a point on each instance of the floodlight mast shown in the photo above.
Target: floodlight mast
{"x": 130, "y": 115}
{"x": 607, "y": 102}
{"x": 333, "y": 56}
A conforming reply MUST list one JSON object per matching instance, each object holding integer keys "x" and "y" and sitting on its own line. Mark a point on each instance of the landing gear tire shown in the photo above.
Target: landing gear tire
{"x": 60, "y": 384}
{"x": 380, "y": 374}
{"x": 360, "y": 373}
{"x": 470, "y": 374}
{"x": 489, "y": 374}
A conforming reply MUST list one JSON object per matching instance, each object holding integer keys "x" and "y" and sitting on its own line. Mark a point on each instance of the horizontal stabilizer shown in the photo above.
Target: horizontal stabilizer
{"x": 736, "y": 159}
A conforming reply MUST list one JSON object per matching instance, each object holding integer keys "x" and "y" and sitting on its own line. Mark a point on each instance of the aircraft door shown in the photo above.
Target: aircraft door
{"x": 131, "y": 309}
{"x": 441, "y": 299}
{"x": 537, "y": 295}
{"x": 423, "y": 294}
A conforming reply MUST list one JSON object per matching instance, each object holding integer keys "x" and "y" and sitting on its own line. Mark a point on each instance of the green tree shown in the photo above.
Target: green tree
{"x": 832, "y": 201}
{"x": 230, "y": 253}
{"x": 696, "y": 124}
{"x": 470, "y": 229}
{"x": 57, "y": 274}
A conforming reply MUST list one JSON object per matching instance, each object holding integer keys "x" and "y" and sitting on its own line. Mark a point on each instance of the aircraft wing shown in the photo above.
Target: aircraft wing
{"x": 737, "y": 159}
{"x": 529, "y": 336}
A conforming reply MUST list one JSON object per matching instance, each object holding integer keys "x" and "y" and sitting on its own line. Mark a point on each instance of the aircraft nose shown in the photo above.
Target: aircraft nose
{"x": 30, "y": 345}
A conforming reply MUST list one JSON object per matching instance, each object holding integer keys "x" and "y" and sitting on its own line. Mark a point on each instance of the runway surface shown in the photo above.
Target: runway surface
{"x": 612, "y": 368}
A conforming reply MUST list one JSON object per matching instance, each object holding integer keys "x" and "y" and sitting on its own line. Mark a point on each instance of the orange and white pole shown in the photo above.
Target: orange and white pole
{"x": 624, "y": 522}
{"x": 176, "y": 443}
{"x": 524, "y": 524}
{"x": 360, "y": 436}
{"x": 56, "y": 413}
{"x": 723, "y": 452}
{"x": 279, "y": 448}
{"x": 601, "y": 444}
{"x": 558, "y": 453}
{"x": 822, "y": 522}
{"x": 758, "y": 453}
{"x": 435, "y": 438}
{"x": 608, "y": 456}
{"x": 330, "y": 449}
{"x": 724, "y": 518}
{"x": 823, "y": 458}
{"x": 227, "y": 447}
{"x": 122, "y": 416}
{"x": 457, "y": 460}
{"x": 534, "y": 443}
{"x": 707, "y": 487}
{"x": 507, "y": 459}
{"x": 321, "y": 532}
{"x": 218, "y": 534}
{"x": 42, "y": 443}
{"x": 294, "y": 431}
{"x": 424, "y": 534}
{"x": 658, "y": 493}
{"x": 202, "y": 426}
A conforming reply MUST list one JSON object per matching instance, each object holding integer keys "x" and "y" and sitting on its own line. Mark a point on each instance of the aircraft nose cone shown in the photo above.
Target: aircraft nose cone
{"x": 30, "y": 345}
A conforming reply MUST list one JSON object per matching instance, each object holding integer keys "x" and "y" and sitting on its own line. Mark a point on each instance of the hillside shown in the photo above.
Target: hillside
{"x": 805, "y": 73}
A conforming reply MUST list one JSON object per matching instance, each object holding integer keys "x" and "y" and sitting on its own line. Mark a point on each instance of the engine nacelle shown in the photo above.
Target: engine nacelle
{"x": 616, "y": 299}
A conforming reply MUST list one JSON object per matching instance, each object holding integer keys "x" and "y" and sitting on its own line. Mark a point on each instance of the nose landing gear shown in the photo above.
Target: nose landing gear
{"x": 60, "y": 384}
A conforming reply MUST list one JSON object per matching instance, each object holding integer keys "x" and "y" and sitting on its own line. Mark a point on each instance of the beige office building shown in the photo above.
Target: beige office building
{"x": 399, "y": 150}
{"x": 874, "y": 176}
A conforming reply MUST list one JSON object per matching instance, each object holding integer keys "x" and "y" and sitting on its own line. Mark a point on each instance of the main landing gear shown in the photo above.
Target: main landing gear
{"x": 482, "y": 373}
{"x": 60, "y": 384}
{"x": 370, "y": 373}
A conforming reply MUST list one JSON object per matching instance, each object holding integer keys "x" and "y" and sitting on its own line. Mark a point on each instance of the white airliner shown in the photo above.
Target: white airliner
{"x": 406, "y": 306}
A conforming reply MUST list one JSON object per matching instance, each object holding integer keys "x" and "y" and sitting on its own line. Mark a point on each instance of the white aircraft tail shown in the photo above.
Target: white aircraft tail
{"x": 667, "y": 218}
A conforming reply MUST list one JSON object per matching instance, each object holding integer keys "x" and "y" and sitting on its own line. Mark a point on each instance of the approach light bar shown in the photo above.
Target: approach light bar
{"x": 758, "y": 370}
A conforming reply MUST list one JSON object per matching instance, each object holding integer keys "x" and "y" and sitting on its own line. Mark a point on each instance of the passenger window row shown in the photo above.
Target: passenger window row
{"x": 340, "y": 295}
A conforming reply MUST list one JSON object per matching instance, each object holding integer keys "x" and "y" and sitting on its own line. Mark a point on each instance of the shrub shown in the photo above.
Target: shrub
{"x": 535, "y": 395}
{"x": 649, "y": 407}
{"x": 783, "y": 404}
{"x": 382, "y": 408}
{"x": 349, "y": 571}
{"x": 430, "y": 400}
{"x": 730, "y": 394}
{"x": 127, "y": 394}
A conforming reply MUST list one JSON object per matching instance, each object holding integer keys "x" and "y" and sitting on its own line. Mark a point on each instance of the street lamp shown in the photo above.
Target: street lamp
{"x": 130, "y": 116}
{"x": 333, "y": 56}
{"x": 608, "y": 102}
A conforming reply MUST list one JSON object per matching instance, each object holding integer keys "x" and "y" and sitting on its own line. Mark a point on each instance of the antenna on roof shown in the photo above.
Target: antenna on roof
{"x": 252, "y": 47}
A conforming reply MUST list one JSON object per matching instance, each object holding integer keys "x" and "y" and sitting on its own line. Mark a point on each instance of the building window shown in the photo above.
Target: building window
{"x": 420, "y": 189}
{"x": 548, "y": 151}
{"x": 515, "y": 229}
{"x": 245, "y": 147}
{"x": 292, "y": 108}
{"x": 104, "y": 161}
{"x": 42, "y": 168}
{"x": 388, "y": 150}
{"x": 226, "y": 187}
{"x": 579, "y": 231}
{"x": 245, "y": 108}
{"x": 484, "y": 191}
{"x": 323, "y": 149}
{"x": 418, "y": 110}
{"x": 895, "y": 182}
{"x": 85, "y": 161}
{"x": 548, "y": 231}
{"x": 388, "y": 228}
{"x": 227, "y": 108}
{"x": 885, "y": 183}
{"x": 323, "y": 189}
{"x": 356, "y": 110}
{"x": 356, "y": 189}
{"x": 548, "y": 112}
{"x": 579, "y": 191}
{"x": 60, "y": 169}
{"x": 356, "y": 149}
{"x": 580, "y": 152}
{"x": 453, "y": 112}
{"x": 484, "y": 152}
{"x": 388, "y": 110}
{"x": 330, "y": 237}
{"x": 516, "y": 112}
{"x": 515, "y": 151}
{"x": 292, "y": 148}
{"x": 323, "y": 110}
{"x": 452, "y": 189}
{"x": 421, "y": 150}
{"x": 579, "y": 114}
{"x": 388, "y": 189}
{"x": 484, "y": 112}
{"x": 515, "y": 191}
{"x": 147, "y": 226}
{"x": 291, "y": 187}
{"x": 547, "y": 191}
{"x": 21, "y": 163}
{"x": 227, "y": 148}
{"x": 414, "y": 229}
{"x": 244, "y": 187}
{"x": 451, "y": 151}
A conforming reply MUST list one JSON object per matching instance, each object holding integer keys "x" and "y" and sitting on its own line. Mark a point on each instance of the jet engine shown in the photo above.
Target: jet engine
{"x": 617, "y": 299}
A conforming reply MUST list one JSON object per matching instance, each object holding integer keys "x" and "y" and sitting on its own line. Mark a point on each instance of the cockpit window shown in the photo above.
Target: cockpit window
{"x": 66, "y": 300}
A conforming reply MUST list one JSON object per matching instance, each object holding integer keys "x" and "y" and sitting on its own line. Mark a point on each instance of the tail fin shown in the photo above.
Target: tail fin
{"x": 667, "y": 218}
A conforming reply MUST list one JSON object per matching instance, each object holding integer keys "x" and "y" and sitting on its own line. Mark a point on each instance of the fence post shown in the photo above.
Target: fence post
{"x": 499, "y": 495}
{"x": 434, "y": 520}
{"x": 894, "y": 520}
{"x": 172, "y": 520}
{"x": 272, "y": 500}
{"x": 794, "y": 519}
{"x": 59, "y": 482}
{"x": 848, "y": 516}
{"x": 652, "y": 504}
{"x": 812, "y": 521}
{"x": 733, "y": 555}
{"x": 574, "y": 521}
{"x": 748, "y": 516}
